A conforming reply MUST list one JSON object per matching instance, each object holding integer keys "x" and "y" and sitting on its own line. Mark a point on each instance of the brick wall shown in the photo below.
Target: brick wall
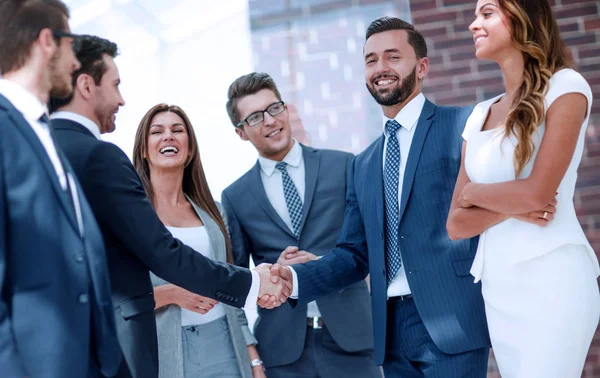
{"x": 457, "y": 78}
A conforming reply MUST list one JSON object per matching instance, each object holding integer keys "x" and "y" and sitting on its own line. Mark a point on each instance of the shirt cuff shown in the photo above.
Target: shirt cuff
{"x": 294, "y": 284}
{"x": 252, "y": 297}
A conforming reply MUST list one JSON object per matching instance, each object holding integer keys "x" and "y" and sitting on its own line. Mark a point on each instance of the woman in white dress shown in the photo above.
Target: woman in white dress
{"x": 515, "y": 189}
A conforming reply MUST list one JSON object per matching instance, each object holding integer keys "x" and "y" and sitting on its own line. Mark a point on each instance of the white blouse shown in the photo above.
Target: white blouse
{"x": 197, "y": 238}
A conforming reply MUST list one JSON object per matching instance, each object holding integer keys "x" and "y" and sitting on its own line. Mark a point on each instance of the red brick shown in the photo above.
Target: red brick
{"x": 479, "y": 82}
{"x": 569, "y": 26}
{"x": 592, "y": 24}
{"x": 587, "y": 8}
{"x": 425, "y": 17}
{"x": 581, "y": 40}
{"x": 590, "y": 51}
{"x": 449, "y": 3}
{"x": 447, "y": 43}
{"x": 433, "y": 31}
{"x": 418, "y": 5}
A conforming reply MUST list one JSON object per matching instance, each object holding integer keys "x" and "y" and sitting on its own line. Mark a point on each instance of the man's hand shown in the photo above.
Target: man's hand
{"x": 291, "y": 255}
{"x": 273, "y": 290}
{"x": 193, "y": 302}
{"x": 540, "y": 217}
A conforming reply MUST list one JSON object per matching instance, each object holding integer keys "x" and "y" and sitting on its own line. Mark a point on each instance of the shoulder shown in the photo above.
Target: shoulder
{"x": 331, "y": 154}
{"x": 239, "y": 185}
{"x": 459, "y": 113}
{"x": 566, "y": 81}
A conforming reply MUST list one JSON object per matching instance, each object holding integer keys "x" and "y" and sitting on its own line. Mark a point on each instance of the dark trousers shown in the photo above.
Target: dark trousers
{"x": 410, "y": 352}
{"x": 323, "y": 358}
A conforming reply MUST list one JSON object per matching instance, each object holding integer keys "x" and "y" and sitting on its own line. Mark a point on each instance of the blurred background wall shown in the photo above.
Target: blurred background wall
{"x": 187, "y": 52}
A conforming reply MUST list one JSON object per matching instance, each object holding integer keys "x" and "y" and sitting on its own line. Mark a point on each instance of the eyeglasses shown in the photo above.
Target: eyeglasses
{"x": 256, "y": 118}
{"x": 61, "y": 34}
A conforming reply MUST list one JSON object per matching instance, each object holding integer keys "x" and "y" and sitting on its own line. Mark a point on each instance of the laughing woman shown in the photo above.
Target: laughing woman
{"x": 197, "y": 336}
{"x": 515, "y": 188}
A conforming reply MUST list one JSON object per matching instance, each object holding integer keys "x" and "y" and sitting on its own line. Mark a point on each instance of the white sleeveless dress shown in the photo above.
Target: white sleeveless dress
{"x": 539, "y": 283}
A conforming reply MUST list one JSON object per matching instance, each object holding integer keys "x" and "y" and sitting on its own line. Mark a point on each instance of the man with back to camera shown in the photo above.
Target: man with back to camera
{"x": 428, "y": 315}
{"x": 294, "y": 195}
{"x": 136, "y": 241}
{"x": 56, "y": 313}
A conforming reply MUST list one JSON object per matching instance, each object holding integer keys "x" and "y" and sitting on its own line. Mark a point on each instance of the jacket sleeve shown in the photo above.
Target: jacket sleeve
{"x": 119, "y": 202}
{"x": 10, "y": 359}
{"x": 346, "y": 264}
{"x": 239, "y": 242}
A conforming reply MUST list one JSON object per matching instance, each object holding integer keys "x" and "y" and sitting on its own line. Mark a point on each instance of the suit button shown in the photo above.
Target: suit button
{"x": 235, "y": 300}
{"x": 79, "y": 259}
{"x": 83, "y": 299}
{"x": 401, "y": 236}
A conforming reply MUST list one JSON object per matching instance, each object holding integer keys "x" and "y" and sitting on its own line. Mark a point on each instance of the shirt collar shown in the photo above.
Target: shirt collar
{"x": 25, "y": 101}
{"x": 293, "y": 158}
{"x": 408, "y": 116}
{"x": 83, "y": 121}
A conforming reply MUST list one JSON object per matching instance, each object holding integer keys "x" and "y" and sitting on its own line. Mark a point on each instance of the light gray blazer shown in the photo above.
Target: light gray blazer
{"x": 168, "y": 318}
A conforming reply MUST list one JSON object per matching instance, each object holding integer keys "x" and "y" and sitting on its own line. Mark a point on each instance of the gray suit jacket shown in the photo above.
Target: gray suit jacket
{"x": 256, "y": 229}
{"x": 168, "y": 318}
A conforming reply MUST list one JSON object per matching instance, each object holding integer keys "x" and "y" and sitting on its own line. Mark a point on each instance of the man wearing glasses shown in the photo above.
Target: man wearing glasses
{"x": 294, "y": 196}
{"x": 56, "y": 315}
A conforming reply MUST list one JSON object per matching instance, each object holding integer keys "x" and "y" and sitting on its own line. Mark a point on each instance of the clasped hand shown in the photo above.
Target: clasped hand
{"x": 276, "y": 280}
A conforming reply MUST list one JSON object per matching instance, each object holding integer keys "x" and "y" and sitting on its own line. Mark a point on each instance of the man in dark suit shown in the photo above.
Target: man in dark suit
{"x": 136, "y": 241}
{"x": 56, "y": 317}
{"x": 295, "y": 195}
{"x": 428, "y": 315}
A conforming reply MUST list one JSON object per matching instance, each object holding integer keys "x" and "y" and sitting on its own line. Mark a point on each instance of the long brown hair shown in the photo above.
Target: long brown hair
{"x": 535, "y": 32}
{"x": 194, "y": 180}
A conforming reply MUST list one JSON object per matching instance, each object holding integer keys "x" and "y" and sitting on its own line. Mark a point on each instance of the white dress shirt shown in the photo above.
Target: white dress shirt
{"x": 32, "y": 109}
{"x": 272, "y": 182}
{"x": 407, "y": 118}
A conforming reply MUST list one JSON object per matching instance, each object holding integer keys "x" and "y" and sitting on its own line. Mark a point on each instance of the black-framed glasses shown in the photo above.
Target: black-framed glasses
{"x": 257, "y": 117}
{"x": 61, "y": 34}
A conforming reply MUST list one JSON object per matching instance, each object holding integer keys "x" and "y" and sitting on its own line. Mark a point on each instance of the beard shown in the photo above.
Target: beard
{"x": 61, "y": 82}
{"x": 397, "y": 95}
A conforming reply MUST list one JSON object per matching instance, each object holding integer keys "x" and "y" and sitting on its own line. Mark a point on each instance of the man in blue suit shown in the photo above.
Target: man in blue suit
{"x": 295, "y": 195}
{"x": 428, "y": 315}
{"x": 56, "y": 314}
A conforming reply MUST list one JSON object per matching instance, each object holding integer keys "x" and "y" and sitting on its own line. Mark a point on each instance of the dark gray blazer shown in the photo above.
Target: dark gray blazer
{"x": 258, "y": 231}
{"x": 168, "y": 318}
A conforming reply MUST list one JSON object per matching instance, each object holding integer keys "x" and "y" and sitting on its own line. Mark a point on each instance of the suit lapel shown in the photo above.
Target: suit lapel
{"x": 374, "y": 180}
{"x": 423, "y": 126}
{"x": 311, "y": 172}
{"x": 258, "y": 191}
{"x": 215, "y": 236}
{"x": 34, "y": 141}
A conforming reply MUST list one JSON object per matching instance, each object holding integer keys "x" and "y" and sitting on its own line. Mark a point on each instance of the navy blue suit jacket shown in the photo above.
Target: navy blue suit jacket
{"x": 56, "y": 314}
{"x": 136, "y": 243}
{"x": 258, "y": 231}
{"x": 449, "y": 303}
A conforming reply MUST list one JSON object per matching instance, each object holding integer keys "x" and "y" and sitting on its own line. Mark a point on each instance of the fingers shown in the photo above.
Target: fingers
{"x": 287, "y": 253}
{"x": 264, "y": 301}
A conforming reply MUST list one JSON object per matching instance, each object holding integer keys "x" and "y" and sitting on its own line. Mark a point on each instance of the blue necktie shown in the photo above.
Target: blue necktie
{"x": 292, "y": 198}
{"x": 390, "y": 185}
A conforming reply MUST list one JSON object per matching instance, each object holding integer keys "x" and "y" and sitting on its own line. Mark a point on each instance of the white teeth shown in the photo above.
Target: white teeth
{"x": 273, "y": 133}
{"x": 479, "y": 38}
{"x": 169, "y": 149}
{"x": 384, "y": 82}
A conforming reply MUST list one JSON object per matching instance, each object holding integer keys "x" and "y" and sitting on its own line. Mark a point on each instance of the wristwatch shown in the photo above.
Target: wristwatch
{"x": 256, "y": 362}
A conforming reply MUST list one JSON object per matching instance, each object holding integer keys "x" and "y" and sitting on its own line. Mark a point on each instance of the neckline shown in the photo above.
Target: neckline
{"x": 491, "y": 101}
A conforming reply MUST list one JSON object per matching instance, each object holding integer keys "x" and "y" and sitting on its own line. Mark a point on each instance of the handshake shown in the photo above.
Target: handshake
{"x": 276, "y": 280}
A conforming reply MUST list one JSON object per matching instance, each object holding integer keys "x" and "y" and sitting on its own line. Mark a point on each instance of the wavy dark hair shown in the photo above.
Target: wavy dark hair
{"x": 535, "y": 32}
{"x": 194, "y": 179}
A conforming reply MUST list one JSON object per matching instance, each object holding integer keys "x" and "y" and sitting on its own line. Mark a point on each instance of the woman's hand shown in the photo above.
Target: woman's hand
{"x": 193, "y": 302}
{"x": 464, "y": 194}
{"x": 539, "y": 217}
